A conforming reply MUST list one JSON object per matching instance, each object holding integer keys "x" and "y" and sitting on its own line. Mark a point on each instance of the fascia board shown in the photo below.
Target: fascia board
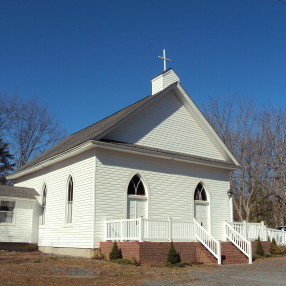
{"x": 16, "y": 198}
{"x": 108, "y": 146}
{"x": 203, "y": 122}
{"x": 52, "y": 160}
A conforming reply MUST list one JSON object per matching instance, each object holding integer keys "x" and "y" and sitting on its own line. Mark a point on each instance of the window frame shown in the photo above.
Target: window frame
{"x": 69, "y": 201}
{"x": 200, "y": 192}
{"x": 44, "y": 205}
{"x": 13, "y": 213}
{"x": 136, "y": 188}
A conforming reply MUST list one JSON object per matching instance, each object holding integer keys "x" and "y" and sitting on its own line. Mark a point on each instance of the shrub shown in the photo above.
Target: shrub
{"x": 259, "y": 248}
{"x": 98, "y": 255}
{"x": 274, "y": 249}
{"x": 115, "y": 252}
{"x": 173, "y": 255}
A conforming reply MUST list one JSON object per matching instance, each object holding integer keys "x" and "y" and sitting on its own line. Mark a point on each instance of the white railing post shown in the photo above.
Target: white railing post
{"x": 170, "y": 229}
{"x": 121, "y": 229}
{"x": 105, "y": 230}
{"x": 250, "y": 252}
{"x": 219, "y": 253}
{"x": 263, "y": 232}
{"x": 245, "y": 229}
{"x": 141, "y": 229}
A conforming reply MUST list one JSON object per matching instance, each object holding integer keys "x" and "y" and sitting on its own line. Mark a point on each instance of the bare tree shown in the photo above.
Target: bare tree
{"x": 258, "y": 141}
{"x": 7, "y": 112}
{"x": 28, "y": 127}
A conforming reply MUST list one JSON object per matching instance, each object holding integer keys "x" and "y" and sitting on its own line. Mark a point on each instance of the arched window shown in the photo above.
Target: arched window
{"x": 44, "y": 202}
{"x": 70, "y": 200}
{"x": 200, "y": 193}
{"x": 136, "y": 187}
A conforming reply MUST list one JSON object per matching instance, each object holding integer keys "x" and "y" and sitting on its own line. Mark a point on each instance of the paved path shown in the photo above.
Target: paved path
{"x": 270, "y": 271}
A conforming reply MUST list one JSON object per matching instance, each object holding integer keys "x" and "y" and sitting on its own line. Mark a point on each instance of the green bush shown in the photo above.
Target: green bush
{"x": 259, "y": 248}
{"x": 274, "y": 249}
{"x": 173, "y": 255}
{"x": 115, "y": 252}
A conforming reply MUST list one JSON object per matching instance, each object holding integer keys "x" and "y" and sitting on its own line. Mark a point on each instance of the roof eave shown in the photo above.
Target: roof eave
{"x": 17, "y": 198}
{"x": 52, "y": 160}
{"x": 174, "y": 157}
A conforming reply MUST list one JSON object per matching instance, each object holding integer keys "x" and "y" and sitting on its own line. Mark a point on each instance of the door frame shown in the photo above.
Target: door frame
{"x": 209, "y": 228}
{"x": 147, "y": 192}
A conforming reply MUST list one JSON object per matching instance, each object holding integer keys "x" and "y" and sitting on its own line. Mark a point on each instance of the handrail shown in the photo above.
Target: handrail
{"x": 239, "y": 241}
{"x": 253, "y": 231}
{"x": 209, "y": 242}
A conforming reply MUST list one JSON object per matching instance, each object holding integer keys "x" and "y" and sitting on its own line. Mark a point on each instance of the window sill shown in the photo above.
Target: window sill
{"x": 42, "y": 226}
{"x": 7, "y": 224}
{"x": 137, "y": 197}
{"x": 68, "y": 225}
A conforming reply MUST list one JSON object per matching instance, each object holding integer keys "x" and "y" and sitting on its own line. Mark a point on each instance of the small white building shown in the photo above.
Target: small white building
{"x": 154, "y": 171}
{"x": 19, "y": 217}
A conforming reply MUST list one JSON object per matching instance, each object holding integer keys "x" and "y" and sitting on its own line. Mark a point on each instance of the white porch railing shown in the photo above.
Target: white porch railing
{"x": 239, "y": 241}
{"x": 251, "y": 231}
{"x": 149, "y": 229}
{"x": 209, "y": 242}
{"x": 161, "y": 230}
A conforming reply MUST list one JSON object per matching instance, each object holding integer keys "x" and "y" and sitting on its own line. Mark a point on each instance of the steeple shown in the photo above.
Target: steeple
{"x": 163, "y": 80}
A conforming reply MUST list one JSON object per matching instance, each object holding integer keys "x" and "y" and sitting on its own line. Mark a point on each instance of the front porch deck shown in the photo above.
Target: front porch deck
{"x": 167, "y": 230}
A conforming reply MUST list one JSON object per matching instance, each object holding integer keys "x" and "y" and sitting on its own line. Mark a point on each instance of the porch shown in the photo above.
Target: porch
{"x": 240, "y": 235}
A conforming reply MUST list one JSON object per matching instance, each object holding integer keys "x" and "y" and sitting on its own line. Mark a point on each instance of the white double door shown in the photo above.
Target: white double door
{"x": 202, "y": 213}
{"x": 136, "y": 207}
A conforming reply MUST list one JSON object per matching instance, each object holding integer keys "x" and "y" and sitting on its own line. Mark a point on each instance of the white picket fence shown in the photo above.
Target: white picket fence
{"x": 251, "y": 231}
{"x": 142, "y": 229}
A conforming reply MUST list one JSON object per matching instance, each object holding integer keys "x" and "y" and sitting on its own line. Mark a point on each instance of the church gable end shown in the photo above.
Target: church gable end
{"x": 166, "y": 124}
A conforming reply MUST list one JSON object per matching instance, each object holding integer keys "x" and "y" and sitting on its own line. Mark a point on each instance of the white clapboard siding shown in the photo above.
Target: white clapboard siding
{"x": 21, "y": 229}
{"x": 55, "y": 232}
{"x": 167, "y": 124}
{"x": 171, "y": 187}
{"x": 164, "y": 80}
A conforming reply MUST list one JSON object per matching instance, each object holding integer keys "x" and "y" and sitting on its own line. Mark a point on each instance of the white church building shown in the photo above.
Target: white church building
{"x": 153, "y": 172}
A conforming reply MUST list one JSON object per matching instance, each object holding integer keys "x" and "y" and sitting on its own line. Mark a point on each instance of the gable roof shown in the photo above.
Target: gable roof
{"x": 93, "y": 131}
{"x": 17, "y": 192}
{"x": 90, "y": 136}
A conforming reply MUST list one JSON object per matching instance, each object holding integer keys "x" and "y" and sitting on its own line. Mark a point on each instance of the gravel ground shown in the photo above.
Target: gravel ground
{"x": 271, "y": 271}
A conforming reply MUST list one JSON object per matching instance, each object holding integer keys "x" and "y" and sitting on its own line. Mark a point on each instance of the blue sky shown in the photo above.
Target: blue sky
{"x": 89, "y": 58}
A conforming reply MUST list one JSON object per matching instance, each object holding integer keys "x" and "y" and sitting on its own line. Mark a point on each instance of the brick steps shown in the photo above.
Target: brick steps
{"x": 232, "y": 255}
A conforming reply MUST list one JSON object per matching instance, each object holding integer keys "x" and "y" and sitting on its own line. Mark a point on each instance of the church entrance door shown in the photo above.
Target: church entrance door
{"x": 201, "y": 206}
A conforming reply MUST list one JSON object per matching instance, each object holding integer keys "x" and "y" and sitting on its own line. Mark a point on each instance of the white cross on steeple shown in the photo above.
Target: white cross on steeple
{"x": 165, "y": 59}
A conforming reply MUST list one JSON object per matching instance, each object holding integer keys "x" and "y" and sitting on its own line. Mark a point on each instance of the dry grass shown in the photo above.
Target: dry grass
{"x": 35, "y": 268}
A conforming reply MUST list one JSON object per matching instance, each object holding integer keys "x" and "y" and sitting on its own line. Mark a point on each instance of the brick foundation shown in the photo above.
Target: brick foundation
{"x": 155, "y": 253}
{"x": 265, "y": 245}
{"x": 17, "y": 246}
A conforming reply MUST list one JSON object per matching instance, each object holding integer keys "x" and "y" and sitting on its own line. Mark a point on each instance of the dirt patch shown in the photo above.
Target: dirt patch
{"x": 35, "y": 268}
